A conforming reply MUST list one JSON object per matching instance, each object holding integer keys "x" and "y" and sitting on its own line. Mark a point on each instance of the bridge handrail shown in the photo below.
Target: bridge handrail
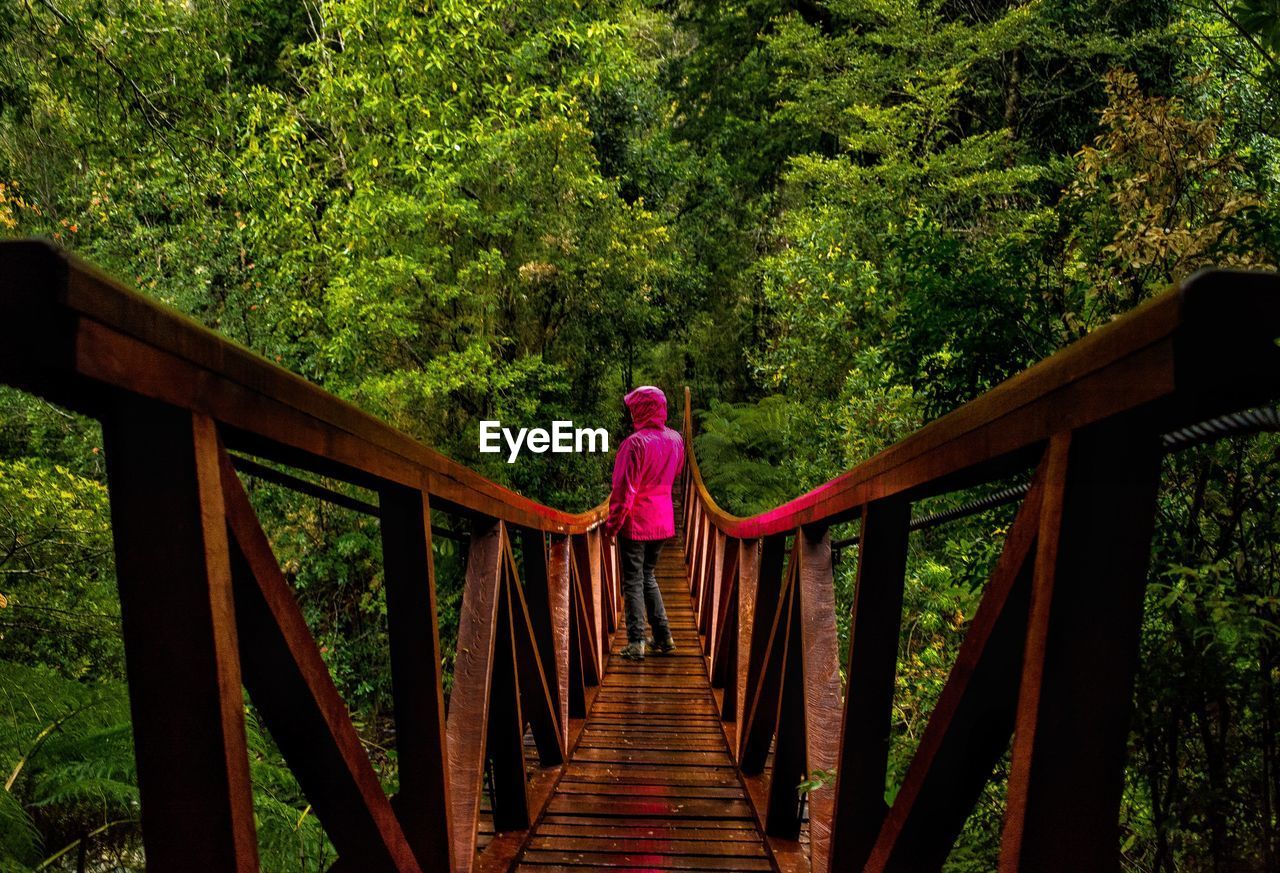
{"x": 71, "y": 330}
{"x": 206, "y": 610}
{"x": 1050, "y": 655}
{"x": 1184, "y": 356}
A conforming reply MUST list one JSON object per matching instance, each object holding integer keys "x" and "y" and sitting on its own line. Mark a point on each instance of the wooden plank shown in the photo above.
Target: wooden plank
{"x": 735, "y": 829}
{"x": 657, "y": 807}
{"x": 579, "y": 655}
{"x": 969, "y": 728}
{"x": 817, "y": 611}
{"x": 537, "y": 704}
{"x": 651, "y": 845}
{"x": 422, "y": 803}
{"x": 709, "y": 602}
{"x": 762, "y": 714}
{"x": 783, "y": 810}
{"x": 557, "y": 579}
{"x": 587, "y": 561}
{"x": 1067, "y": 770}
{"x": 468, "y": 717}
{"x": 504, "y": 744}
{"x": 726, "y": 605}
{"x": 291, "y": 688}
{"x": 180, "y": 639}
{"x": 648, "y": 773}
{"x": 650, "y": 789}
{"x": 537, "y": 596}
{"x": 759, "y": 597}
{"x": 651, "y": 764}
{"x": 647, "y": 862}
{"x": 873, "y": 659}
{"x": 591, "y": 665}
{"x": 651, "y": 861}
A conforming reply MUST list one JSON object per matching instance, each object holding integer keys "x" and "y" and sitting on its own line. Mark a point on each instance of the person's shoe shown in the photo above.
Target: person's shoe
{"x": 633, "y": 651}
{"x": 666, "y": 647}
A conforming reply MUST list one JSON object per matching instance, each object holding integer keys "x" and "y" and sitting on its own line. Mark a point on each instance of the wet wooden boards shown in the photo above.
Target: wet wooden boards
{"x": 651, "y": 785}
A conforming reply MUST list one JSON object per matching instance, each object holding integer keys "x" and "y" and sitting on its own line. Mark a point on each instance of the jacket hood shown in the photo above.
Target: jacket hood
{"x": 648, "y": 407}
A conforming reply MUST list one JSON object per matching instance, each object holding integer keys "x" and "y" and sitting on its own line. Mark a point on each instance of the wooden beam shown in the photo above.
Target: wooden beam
{"x": 759, "y": 615}
{"x": 558, "y": 559}
{"x": 422, "y": 802}
{"x": 970, "y": 726}
{"x": 790, "y": 749}
{"x": 610, "y": 583}
{"x": 726, "y": 625}
{"x": 180, "y": 639}
{"x": 821, "y": 689}
{"x": 468, "y": 719}
{"x": 748, "y": 585}
{"x": 504, "y": 745}
{"x": 592, "y": 668}
{"x": 762, "y": 713}
{"x": 579, "y": 656}
{"x": 873, "y": 660}
{"x": 546, "y": 594}
{"x": 292, "y": 690}
{"x": 587, "y": 555}
{"x": 709, "y": 602}
{"x": 536, "y": 700}
{"x": 1067, "y": 771}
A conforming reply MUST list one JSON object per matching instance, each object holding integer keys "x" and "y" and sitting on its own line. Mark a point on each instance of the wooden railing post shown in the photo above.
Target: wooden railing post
{"x": 723, "y": 641}
{"x": 586, "y": 548}
{"x": 764, "y": 665}
{"x": 611, "y": 583}
{"x": 558, "y": 603}
{"x": 821, "y": 690}
{"x": 873, "y": 661}
{"x": 180, "y": 640}
{"x": 969, "y": 729}
{"x": 790, "y": 748}
{"x": 584, "y": 669}
{"x": 748, "y": 585}
{"x": 704, "y": 570}
{"x": 1067, "y": 770}
{"x": 709, "y": 600}
{"x": 296, "y": 699}
{"x": 473, "y": 684}
{"x": 546, "y": 589}
{"x": 504, "y": 742}
{"x": 538, "y": 707}
{"x": 422, "y": 802}
{"x": 809, "y": 708}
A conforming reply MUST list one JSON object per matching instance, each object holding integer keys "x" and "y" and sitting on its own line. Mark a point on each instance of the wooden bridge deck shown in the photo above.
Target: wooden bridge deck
{"x": 1044, "y": 675}
{"x": 651, "y": 784}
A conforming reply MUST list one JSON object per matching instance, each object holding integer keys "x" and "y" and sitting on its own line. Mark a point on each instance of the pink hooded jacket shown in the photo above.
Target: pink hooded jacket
{"x": 648, "y": 462}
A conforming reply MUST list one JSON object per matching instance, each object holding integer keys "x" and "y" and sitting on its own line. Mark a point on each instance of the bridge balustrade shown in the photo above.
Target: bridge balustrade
{"x": 1047, "y": 663}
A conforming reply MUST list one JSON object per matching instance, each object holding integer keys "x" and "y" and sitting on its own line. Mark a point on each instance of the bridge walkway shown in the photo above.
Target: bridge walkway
{"x": 651, "y": 784}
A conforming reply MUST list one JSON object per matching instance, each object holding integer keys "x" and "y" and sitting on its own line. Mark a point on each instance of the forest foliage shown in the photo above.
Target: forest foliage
{"x": 833, "y": 220}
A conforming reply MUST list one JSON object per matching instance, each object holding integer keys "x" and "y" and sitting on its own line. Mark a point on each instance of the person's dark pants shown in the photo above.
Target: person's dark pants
{"x": 640, "y": 594}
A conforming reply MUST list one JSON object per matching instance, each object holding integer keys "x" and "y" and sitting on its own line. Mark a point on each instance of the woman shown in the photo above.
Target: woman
{"x": 641, "y": 516}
